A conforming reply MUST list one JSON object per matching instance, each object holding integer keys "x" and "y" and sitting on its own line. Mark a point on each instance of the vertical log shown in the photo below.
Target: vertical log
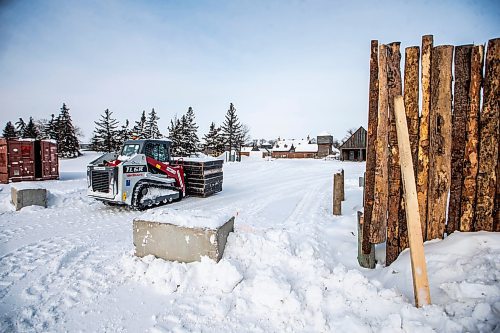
{"x": 377, "y": 228}
{"x": 470, "y": 167}
{"x": 423, "y": 136}
{"x": 412, "y": 59}
{"x": 489, "y": 133}
{"x": 393, "y": 216}
{"x": 342, "y": 188}
{"x": 461, "y": 108}
{"x": 337, "y": 201}
{"x": 366, "y": 260}
{"x": 440, "y": 140}
{"x": 370, "y": 149}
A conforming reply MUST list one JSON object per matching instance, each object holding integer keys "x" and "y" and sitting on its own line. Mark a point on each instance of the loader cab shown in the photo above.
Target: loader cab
{"x": 156, "y": 149}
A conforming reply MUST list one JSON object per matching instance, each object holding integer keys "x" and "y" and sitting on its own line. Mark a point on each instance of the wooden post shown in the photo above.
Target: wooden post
{"x": 471, "y": 155}
{"x": 370, "y": 149}
{"x": 418, "y": 266}
{"x": 366, "y": 260}
{"x": 378, "y": 224}
{"x": 459, "y": 121}
{"x": 393, "y": 216}
{"x": 423, "y": 135}
{"x": 342, "y": 189}
{"x": 411, "y": 80}
{"x": 440, "y": 140}
{"x": 337, "y": 201}
{"x": 489, "y": 137}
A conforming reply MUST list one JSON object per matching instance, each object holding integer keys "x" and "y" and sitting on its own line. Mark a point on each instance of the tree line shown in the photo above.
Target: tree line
{"x": 60, "y": 129}
{"x": 109, "y": 136}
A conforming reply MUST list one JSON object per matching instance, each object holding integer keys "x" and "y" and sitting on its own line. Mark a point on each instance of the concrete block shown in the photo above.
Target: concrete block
{"x": 178, "y": 243}
{"x": 28, "y": 197}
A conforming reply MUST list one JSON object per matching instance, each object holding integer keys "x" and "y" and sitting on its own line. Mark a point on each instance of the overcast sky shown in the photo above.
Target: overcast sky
{"x": 291, "y": 68}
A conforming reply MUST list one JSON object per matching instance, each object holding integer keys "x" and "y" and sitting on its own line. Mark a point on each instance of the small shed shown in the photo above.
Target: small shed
{"x": 354, "y": 148}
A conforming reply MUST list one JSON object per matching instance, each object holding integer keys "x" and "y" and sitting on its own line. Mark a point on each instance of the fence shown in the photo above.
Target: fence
{"x": 454, "y": 141}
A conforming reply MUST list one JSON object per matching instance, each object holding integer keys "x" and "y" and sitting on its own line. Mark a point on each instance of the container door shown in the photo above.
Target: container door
{"x": 49, "y": 159}
{"x": 21, "y": 158}
{"x": 54, "y": 161}
{"x": 4, "y": 170}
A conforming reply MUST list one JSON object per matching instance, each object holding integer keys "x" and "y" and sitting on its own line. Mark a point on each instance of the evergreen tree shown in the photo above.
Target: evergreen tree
{"x": 51, "y": 128}
{"x": 124, "y": 134}
{"x": 152, "y": 131}
{"x": 190, "y": 133}
{"x": 139, "y": 128}
{"x": 68, "y": 145}
{"x": 231, "y": 128}
{"x": 214, "y": 142}
{"x": 20, "y": 126}
{"x": 174, "y": 134}
{"x": 185, "y": 145}
{"x": 106, "y": 134}
{"x": 30, "y": 130}
{"x": 9, "y": 131}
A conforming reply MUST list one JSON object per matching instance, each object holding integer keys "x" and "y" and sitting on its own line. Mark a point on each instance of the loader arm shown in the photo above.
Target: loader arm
{"x": 175, "y": 172}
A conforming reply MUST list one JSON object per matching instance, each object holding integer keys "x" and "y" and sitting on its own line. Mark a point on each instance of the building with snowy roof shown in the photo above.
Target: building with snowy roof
{"x": 303, "y": 148}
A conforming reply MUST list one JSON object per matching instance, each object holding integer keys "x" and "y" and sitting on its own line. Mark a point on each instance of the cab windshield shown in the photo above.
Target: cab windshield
{"x": 129, "y": 150}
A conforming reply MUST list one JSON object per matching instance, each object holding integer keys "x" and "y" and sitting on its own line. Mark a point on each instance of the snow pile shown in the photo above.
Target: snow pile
{"x": 191, "y": 218}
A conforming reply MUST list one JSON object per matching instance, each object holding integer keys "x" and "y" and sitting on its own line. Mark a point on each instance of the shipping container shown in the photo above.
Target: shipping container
{"x": 28, "y": 159}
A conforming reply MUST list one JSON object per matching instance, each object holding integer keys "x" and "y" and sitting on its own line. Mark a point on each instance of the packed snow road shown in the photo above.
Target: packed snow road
{"x": 289, "y": 266}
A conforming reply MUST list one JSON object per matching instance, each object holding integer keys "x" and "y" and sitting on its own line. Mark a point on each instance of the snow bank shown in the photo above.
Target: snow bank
{"x": 191, "y": 218}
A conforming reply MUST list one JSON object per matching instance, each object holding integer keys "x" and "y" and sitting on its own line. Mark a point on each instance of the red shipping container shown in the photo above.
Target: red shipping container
{"x": 28, "y": 159}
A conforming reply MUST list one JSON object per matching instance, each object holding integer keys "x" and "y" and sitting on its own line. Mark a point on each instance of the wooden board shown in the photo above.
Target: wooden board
{"x": 423, "y": 136}
{"x": 489, "y": 137}
{"x": 419, "y": 268}
{"x": 440, "y": 140}
{"x": 370, "y": 149}
{"x": 461, "y": 108}
{"x": 377, "y": 229}
{"x": 471, "y": 154}
{"x": 393, "y": 214}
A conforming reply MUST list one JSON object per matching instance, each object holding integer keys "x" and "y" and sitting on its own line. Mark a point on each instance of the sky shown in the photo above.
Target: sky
{"x": 291, "y": 68}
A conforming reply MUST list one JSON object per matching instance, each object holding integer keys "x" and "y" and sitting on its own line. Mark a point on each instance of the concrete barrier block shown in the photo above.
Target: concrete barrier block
{"x": 28, "y": 197}
{"x": 179, "y": 243}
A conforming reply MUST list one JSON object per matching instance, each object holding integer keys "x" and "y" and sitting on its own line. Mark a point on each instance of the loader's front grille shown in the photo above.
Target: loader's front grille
{"x": 100, "y": 181}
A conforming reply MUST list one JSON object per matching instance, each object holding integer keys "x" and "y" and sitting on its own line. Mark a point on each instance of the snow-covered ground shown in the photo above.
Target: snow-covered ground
{"x": 289, "y": 266}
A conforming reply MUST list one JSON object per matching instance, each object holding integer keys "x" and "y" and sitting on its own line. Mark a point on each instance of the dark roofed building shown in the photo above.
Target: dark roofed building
{"x": 354, "y": 149}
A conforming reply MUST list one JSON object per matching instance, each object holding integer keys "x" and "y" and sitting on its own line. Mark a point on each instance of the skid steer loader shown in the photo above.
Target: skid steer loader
{"x": 141, "y": 176}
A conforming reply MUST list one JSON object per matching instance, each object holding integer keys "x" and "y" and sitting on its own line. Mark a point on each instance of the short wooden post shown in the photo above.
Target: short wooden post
{"x": 342, "y": 190}
{"x": 419, "y": 268}
{"x": 366, "y": 260}
{"x": 337, "y": 192}
{"x": 361, "y": 181}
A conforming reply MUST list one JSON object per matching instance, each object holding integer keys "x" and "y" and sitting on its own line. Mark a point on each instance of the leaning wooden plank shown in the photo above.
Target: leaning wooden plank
{"x": 440, "y": 140}
{"x": 461, "y": 108}
{"x": 489, "y": 136}
{"x": 423, "y": 135}
{"x": 412, "y": 57}
{"x": 470, "y": 168}
{"x": 378, "y": 225}
{"x": 393, "y": 214}
{"x": 371, "y": 157}
{"x": 421, "y": 290}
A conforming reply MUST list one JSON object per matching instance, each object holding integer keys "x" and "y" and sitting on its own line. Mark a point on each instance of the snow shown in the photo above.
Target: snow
{"x": 289, "y": 266}
{"x": 189, "y": 218}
